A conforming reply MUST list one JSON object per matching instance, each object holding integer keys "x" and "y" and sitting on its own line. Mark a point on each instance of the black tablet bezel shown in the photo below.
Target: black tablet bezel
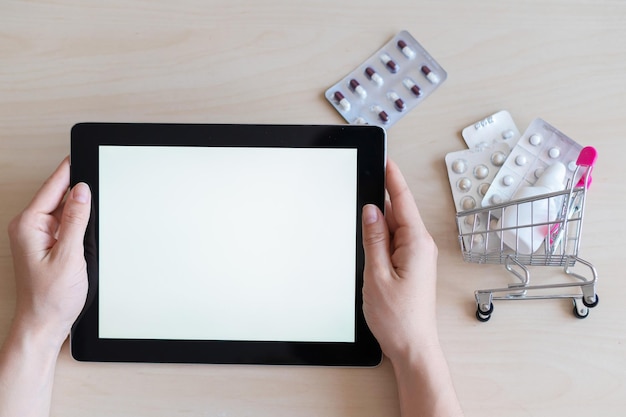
{"x": 370, "y": 143}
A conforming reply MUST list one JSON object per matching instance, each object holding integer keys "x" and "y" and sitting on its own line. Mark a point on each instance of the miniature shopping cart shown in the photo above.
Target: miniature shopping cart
{"x": 482, "y": 232}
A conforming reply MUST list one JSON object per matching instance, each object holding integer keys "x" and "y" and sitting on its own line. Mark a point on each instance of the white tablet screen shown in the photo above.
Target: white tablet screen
{"x": 210, "y": 243}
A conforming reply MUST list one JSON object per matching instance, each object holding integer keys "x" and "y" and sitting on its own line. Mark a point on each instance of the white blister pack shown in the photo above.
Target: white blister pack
{"x": 472, "y": 171}
{"x": 497, "y": 127}
{"x": 388, "y": 85}
{"x": 540, "y": 146}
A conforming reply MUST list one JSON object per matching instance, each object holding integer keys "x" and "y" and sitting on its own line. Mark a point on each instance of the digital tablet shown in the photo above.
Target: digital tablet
{"x": 236, "y": 244}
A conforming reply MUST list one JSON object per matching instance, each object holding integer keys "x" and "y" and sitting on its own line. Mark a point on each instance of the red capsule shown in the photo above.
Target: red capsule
{"x": 397, "y": 101}
{"x": 390, "y": 63}
{"x": 373, "y": 75}
{"x": 382, "y": 115}
{"x": 406, "y": 49}
{"x": 430, "y": 76}
{"x": 356, "y": 87}
{"x": 410, "y": 85}
{"x": 341, "y": 99}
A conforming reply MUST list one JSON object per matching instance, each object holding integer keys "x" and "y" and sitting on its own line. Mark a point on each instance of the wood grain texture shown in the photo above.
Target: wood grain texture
{"x": 68, "y": 61}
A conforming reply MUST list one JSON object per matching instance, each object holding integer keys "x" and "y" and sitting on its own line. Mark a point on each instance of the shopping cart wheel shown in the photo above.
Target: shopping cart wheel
{"x": 580, "y": 313}
{"x": 484, "y": 315}
{"x": 592, "y": 304}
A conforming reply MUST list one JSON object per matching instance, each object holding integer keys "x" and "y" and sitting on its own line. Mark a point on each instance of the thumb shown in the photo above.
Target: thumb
{"x": 375, "y": 238}
{"x": 75, "y": 216}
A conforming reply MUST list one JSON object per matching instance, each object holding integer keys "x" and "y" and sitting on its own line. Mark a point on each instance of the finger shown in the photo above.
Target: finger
{"x": 375, "y": 239}
{"x": 391, "y": 221}
{"x": 405, "y": 212}
{"x": 51, "y": 193}
{"x": 75, "y": 217}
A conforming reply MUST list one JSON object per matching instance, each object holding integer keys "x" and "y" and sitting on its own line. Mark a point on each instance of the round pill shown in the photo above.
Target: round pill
{"x": 498, "y": 158}
{"x": 459, "y": 166}
{"x": 520, "y": 160}
{"x": 481, "y": 171}
{"x": 535, "y": 139}
{"x": 572, "y": 165}
{"x": 507, "y": 180}
{"x": 495, "y": 199}
{"x": 468, "y": 203}
{"x": 508, "y": 134}
{"x": 478, "y": 239}
{"x": 554, "y": 153}
{"x": 464, "y": 184}
{"x": 482, "y": 189}
{"x": 538, "y": 172}
{"x": 472, "y": 220}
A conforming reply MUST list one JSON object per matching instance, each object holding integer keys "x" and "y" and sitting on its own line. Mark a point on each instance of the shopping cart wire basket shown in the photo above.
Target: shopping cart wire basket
{"x": 552, "y": 222}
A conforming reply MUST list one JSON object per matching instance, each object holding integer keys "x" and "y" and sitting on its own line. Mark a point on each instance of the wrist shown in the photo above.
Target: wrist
{"x": 418, "y": 349}
{"x": 27, "y": 365}
{"x": 420, "y": 356}
{"x": 424, "y": 383}
{"x": 45, "y": 336}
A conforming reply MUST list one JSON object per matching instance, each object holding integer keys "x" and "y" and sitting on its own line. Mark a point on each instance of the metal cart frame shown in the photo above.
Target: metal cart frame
{"x": 480, "y": 239}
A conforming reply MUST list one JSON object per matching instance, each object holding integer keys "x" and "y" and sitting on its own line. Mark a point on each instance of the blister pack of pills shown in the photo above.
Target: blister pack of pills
{"x": 471, "y": 171}
{"x": 497, "y": 127}
{"x": 539, "y": 147}
{"x": 387, "y": 85}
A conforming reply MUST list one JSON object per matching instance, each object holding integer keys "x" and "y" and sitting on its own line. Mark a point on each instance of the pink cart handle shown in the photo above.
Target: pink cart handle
{"x": 586, "y": 159}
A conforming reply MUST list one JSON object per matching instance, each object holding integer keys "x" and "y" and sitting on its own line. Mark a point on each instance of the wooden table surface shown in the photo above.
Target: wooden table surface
{"x": 243, "y": 61}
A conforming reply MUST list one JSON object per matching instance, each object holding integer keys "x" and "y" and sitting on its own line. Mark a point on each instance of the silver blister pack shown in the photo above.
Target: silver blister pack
{"x": 388, "y": 85}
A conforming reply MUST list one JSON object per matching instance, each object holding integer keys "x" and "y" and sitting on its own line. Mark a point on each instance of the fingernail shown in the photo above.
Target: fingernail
{"x": 370, "y": 214}
{"x": 81, "y": 193}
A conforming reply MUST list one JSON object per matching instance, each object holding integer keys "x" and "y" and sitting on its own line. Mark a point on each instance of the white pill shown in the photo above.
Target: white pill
{"x": 507, "y": 180}
{"x": 538, "y": 172}
{"x": 360, "y": 121}
{"x": 473, "y": 220}
{"x": 464, "y": 184}
{"x": 495, "y": 199}
{"x": 508, "y": 134}
{"x": 468, "y": 203}
{"x": 554, "y": 153}
{"x": 498, "y": 158}
{"x": 571, "y": 165}
{"x": 481, "y": 171}
{"x": 535, "y": 139}
{"x": 520, "y": 160}
{"x": 459, "y": 166}
{"x": 478, "y": 239}
{"x": 483, "y": 188}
